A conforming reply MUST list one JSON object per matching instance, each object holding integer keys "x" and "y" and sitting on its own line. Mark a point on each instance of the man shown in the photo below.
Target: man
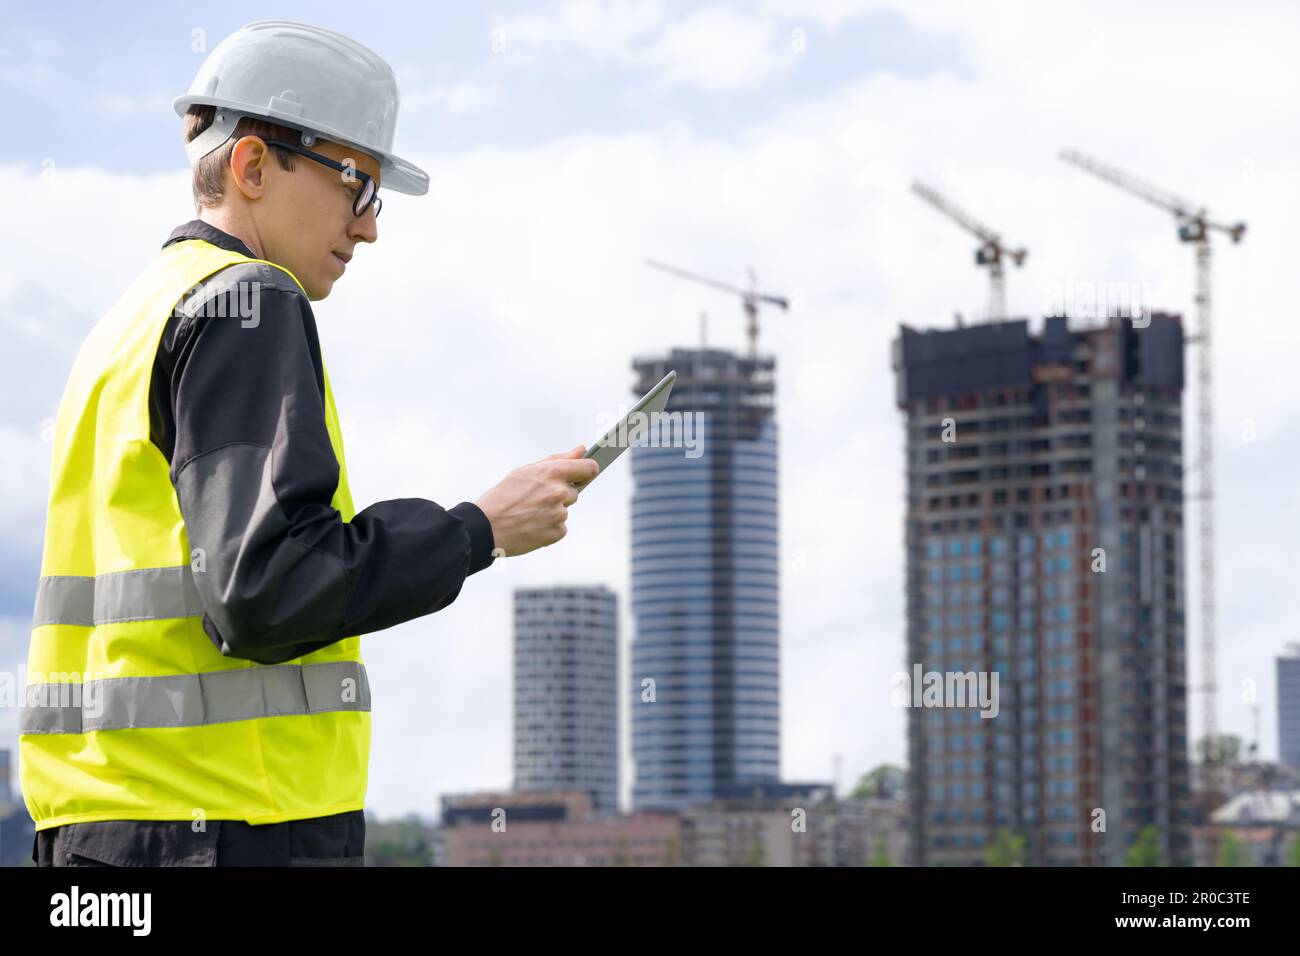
{"x": 196, "y": 693}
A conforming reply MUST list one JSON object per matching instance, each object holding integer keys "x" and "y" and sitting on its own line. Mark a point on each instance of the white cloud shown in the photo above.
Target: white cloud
{"x": 30, "y": 60}
{"x": 118, "y": 106}
{"x": 454, "y": 99}
{"x": 596, "y": 29}
{"x": 714, "y": 49}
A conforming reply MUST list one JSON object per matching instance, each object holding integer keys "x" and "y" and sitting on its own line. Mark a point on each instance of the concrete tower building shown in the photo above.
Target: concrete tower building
{"x": 1044, "y": 538}
{"x": 566, "y": 692}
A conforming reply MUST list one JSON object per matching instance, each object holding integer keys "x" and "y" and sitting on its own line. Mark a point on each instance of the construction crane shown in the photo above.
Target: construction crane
{"x": 991, "y": 253}
{"x": 1194, "y": 225}
{"x": 750, "y": 298}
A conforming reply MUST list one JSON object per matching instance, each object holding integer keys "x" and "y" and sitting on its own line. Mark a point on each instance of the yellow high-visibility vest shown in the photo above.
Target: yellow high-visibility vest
{"x": 130, "y": 711}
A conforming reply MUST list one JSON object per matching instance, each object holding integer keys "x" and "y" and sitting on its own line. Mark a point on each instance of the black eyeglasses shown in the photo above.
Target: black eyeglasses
{"x": 366, "y": 196}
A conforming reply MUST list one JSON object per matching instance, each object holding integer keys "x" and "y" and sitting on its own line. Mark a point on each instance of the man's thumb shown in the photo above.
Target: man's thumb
{"x": 577, "y": 451}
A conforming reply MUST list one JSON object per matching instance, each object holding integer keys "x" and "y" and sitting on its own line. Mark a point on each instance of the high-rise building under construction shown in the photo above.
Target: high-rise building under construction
{"x": 705, "y": 578}
{"x": 1044, "y": 543}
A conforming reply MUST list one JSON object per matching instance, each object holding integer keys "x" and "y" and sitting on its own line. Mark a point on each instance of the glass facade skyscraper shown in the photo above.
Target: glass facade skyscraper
{"x": 705, "y": 583}
{"x": 1288, "y": 707}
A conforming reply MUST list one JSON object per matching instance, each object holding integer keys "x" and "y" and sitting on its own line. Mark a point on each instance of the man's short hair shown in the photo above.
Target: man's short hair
{"x": 209, "y": 182}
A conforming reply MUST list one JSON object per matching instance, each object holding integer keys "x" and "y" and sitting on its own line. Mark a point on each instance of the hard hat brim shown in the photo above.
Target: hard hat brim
{"x": 399, "y": 175}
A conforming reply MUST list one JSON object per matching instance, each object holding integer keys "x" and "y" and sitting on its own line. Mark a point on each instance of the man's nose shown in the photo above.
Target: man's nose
{"x": 364, "y": 228}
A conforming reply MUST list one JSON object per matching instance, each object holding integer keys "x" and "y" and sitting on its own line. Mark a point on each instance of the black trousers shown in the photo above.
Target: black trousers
{"x": 337, "y": 840}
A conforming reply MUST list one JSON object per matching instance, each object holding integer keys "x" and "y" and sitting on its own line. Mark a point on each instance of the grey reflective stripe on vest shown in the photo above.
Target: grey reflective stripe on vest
{"x": 149, "y": 594}
{"x": 193, "y": 700}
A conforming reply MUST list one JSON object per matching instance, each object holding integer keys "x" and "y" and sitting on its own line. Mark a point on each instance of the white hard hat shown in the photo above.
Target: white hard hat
{"x": 313, "y": 80}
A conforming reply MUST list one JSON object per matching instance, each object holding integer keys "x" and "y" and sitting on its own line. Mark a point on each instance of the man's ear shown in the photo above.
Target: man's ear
{"x": 247, "y": 166}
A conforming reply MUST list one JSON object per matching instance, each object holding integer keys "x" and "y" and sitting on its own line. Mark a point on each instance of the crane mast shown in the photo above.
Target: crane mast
{"x": 1195, "y": 226}
{"x": 750, "y": 298}
{"x": 991, "y": 253}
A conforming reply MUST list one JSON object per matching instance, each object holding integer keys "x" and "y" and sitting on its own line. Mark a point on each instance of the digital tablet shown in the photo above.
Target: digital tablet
{"x": 612, "y": 444}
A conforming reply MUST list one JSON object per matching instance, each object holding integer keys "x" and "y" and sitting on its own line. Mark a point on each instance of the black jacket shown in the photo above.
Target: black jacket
{"x": 237, "y": 407}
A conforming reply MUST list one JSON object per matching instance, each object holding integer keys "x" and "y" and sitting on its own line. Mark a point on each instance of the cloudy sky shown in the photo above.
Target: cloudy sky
{"x": 568, "y": 141}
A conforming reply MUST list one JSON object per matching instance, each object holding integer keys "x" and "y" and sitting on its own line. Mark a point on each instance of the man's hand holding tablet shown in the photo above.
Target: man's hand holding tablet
{"x": 527, "y": 510}
{"x": 610, "y": 445}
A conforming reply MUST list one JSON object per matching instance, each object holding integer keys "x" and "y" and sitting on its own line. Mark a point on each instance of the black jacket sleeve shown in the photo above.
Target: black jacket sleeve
{"x": 278, "y": 571}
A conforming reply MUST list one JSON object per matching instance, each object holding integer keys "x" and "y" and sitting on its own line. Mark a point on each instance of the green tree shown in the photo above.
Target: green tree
{"x": 1007, "y": 849}
{"x": 403, "y": 842}
{"x": 880, "y": 855}
{"x": 1293, "y": 853}
{"x": 672, "y": 851}
{"x": 757, "y": 855}
{"x": 1146, "y": 850}
{"x": 878, "y": 782}
{"x": 1232, "y": 852}
{"x": 1222, "y": 750}
{"x": 623, "y": 855}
